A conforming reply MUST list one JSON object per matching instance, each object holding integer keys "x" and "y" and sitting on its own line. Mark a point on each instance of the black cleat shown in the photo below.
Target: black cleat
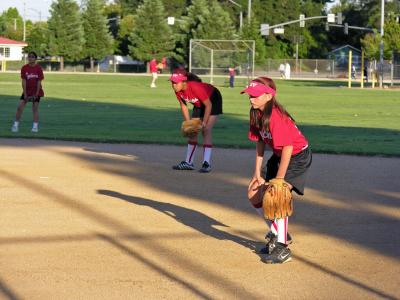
{"x": 205, "y": 168}
{"x": 280, "y": 254}
{"x": 271, "y": 242}
{"x": 183, "y": 165}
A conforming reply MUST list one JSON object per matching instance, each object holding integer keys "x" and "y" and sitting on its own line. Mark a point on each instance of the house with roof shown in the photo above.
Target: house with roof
{"x": 10, "y": 49}
{"x": 341, "y": 56}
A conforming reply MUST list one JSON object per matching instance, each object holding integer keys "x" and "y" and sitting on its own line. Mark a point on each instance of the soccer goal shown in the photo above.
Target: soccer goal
{"x": 213, "y": 58}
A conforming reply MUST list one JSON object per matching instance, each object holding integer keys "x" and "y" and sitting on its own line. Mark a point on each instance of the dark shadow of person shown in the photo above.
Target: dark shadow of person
{"x": 188, "y": 217}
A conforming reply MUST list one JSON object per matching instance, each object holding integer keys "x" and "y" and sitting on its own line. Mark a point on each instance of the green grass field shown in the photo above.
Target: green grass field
{"x": 122, "y": 109}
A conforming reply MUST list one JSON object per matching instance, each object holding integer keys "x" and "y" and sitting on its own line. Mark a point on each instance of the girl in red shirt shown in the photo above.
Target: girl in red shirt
{"x": 31, "y": 76}
{"x": 154, "y": 72}
{"x": 272, "y": 125}
{"x": 207, "y": 105}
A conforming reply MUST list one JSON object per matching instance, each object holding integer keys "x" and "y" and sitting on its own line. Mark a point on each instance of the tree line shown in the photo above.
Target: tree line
{"x": 139, "y": 28}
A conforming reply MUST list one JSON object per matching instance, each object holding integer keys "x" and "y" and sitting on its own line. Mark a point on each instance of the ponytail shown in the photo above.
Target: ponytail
{"x": 190, "y": 76}
{"x": 193, "y": 77}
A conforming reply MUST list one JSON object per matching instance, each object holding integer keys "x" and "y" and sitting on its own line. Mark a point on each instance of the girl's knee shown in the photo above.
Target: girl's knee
{"x": 207, "y": 131}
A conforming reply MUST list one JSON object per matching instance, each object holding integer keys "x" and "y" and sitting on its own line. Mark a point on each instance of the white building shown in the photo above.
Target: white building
{"x": 10, "y": 49}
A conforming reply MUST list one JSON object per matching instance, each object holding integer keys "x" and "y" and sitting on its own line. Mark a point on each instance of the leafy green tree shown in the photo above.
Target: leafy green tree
{"x": 11, "y": 24}
{"x": 284, "y": 46}
{"x": 98, "y": 41}
{"x": 205, "y": 19}
{"x": 175, "y": 8}
{"x": 113, "y": 12}
{"x": 126, "y": 27}
{"x": 370, "y": 44}
{"x": 392, "y": 35}
{"x": 129, "y": 6}
{"x": 363, "y": 13}
{"x": 66, "y": 31}
{"x": 218, "y": 24}
{"x": 151, "y": 36}
{"x": 391, "y": 41}
{"x": 252, "y": 32}
{"x": 37, "y": 39}
{"x": 193, "y": 19}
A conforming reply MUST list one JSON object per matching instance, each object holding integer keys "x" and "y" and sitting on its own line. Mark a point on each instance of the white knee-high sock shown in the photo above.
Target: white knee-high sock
{"x": 272, "y": 226}
{"x": 207, "y": 153}
{"x": 191, "y": 148}
{"x": 282, "y": 227}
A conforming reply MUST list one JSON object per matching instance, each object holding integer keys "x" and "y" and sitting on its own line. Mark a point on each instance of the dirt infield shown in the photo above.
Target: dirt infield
{"x": 100, "y": 221}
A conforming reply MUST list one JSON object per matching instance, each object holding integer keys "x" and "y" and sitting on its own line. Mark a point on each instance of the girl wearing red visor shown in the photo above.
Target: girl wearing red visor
{"x": 207, "y": 105}
{"x": 272, "y": 125}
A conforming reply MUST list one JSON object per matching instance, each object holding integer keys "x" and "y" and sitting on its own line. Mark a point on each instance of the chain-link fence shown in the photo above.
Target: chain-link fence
{"x": 110, "y": 64}
{"x": 275, "y": 68}
{"x": 324, "y": 68}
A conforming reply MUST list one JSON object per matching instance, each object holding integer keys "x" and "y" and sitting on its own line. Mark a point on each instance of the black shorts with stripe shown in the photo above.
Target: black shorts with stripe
{"x": 296, "y": 173}
{"x": 216, "y": 101}
{"x": 30, "y": 98}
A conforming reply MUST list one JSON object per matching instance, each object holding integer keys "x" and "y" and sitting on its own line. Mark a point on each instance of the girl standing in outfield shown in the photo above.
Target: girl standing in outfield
{"x": 272, "y": 125}
{"x": 154, "y": 72}
{"x": 31, "y": 76}
{"x": 207, "y": 105}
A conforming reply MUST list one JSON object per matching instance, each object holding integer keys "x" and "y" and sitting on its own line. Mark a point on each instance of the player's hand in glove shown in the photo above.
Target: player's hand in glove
{"x": 191, "y": 128}
{"x": 277, "y": 199}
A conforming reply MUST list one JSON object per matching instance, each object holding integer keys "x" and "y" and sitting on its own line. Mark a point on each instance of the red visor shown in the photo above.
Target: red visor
{"x": 177, "y": 77}
{"x": 256, "y": 89}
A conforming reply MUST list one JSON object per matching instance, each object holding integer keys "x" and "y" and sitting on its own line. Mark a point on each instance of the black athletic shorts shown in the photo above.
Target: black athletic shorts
{"x": 296, "y": 173}
{"x": 30, "y": 99}
{"x": 216, "y": 101}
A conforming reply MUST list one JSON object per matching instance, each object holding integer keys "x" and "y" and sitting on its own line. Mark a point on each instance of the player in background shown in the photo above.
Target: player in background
{"x": 154, "y": 72}
{"x": 231, "y": 71}
{"x": 272, "y": 125}
{"x": 207, "y": 105}
{"x": 31, "y": 76}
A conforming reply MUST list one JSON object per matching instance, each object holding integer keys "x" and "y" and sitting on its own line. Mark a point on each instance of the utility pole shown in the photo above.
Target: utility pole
{"x": 249, "y": 12}
{"x": 381, "y": 44}
{"x": 241, "y": 13}
{"x": 296, "y": 41}
{"x": 24, "y": 36}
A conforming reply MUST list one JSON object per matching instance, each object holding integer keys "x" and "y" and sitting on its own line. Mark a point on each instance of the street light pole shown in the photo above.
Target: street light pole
{"x": 24, "y": 35}
{"x": 241, "y": 13}
{"x": 381, "y": 44}
{"x": 249, "y": 12}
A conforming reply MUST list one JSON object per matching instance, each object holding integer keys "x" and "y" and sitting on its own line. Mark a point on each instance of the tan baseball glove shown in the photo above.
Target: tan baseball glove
{"x": 277, "y": 200}
{"x": 191, "y": 128}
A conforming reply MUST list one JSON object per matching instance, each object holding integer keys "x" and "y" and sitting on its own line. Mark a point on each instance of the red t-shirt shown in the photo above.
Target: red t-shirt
{"x": 283, "y": 132}
{"x": 32, "y": 74}
{"x": 195, "y": 93}
{"x": 164, "y": 62}
{"x": 231, "y": 72}
{"x": 153, "y": 66}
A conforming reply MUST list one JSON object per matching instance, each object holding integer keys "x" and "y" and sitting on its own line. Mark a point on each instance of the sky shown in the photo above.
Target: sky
{"x": 34, "y": 8}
